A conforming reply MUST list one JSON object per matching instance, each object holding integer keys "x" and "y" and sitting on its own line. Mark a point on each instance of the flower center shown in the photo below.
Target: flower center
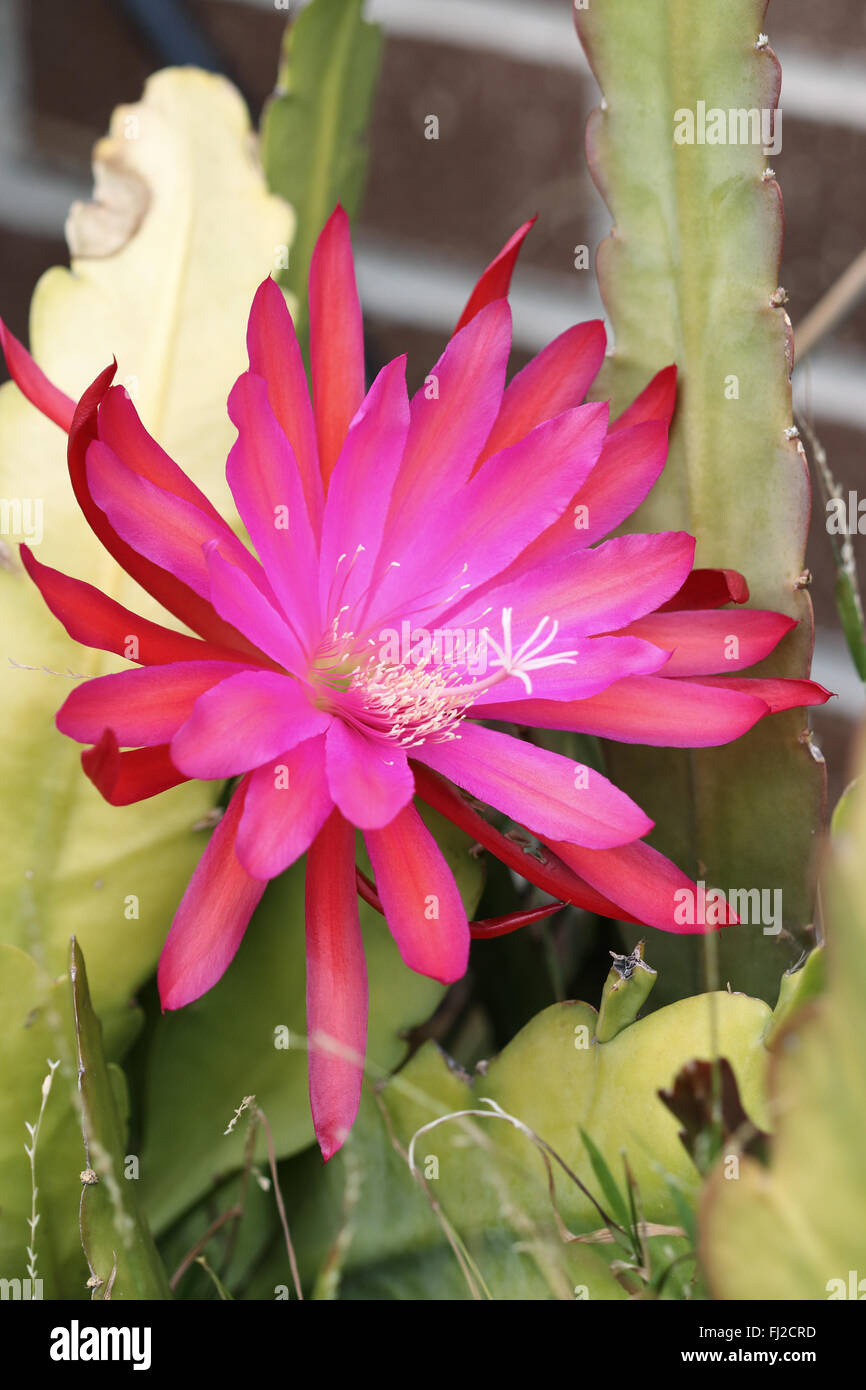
{"x": 423, "y": 692}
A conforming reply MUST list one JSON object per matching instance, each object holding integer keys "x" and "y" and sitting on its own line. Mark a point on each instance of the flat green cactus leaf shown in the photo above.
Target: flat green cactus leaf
{"x": 796, "y": 1230}
{"x": 690, "y": 275}
{"x": 116, "y": 1239}
{"x": 487, "y": 1202}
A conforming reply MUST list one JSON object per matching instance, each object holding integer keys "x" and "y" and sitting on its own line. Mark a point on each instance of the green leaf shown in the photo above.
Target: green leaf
{"x": 246, "y": 1037}
{"x": 313, "y": 129}
{"x": 797, "y": 1230}
{"x": 117, "y": 1242}
{"x": 486, "y": 1225}
{"x": 614, "y": 1198}
{"x": 690, "y": 276}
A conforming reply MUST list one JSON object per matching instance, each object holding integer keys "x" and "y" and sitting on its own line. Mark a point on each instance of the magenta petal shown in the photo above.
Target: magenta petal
{"x": 121, "y": 430}
{"x": 241, "y": 603}
{"x": 275, "y": 355}
{"x": 369, "y": 780}
{"x": 707, "y": 643}
{"x": 555, "y": 797}
{"x": 263, "y": 476}
{"x": 592, "y": 592}
{"x": 287, "y": 804}
{"x": 336, "y": 339}
{"x": 167, "y": 529}
{"x": 360, "y": 489}
{"x": 557, "y": 379}
{"x": 143, "y": 707}
{"x": 600, "y": 662}
{"x": 478, "y": 531}
{"x": 452, "y": 415}
{"x": 422, "y": 906}
{"x": 212, "y": 917}
{"x": 336, "y": 984}
{"x": 243, "y": 722}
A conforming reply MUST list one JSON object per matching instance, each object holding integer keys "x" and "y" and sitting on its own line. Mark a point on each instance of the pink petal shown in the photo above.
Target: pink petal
{"x": 557, "y": 379}
{"x": 287, "y": 804}
{"x": 552, "y": 795}
{"x": 336, "y": 339}
{"x": 142, "y": 707}
{"x": 243, "y": 722}
{"x": 704, "y": 643}
{"x": 627, "y": 467}
{"x": 120, "y": 428}
{"x": 592, "y": 592}
{"x": 495, "y": 281}
{"x": 263, "y": 475}
{"x": 95, "y": 620}
{"x": 537, "y": 864}
{"x": 644, "y": 882}
{"x": 160, "y": 525}
{"x": 600, "y": 662}
{"x": 422, "y": 906}
{"x": 242, "y": 604}
{"x": 175, "y": 596}
{"x": 369, "y": 780}
{"x": 449, "y": 428}
{"x": 360, "y": 489}
{"x": 476, "y": 533}
{"x": 651, "y": 710}
{"x": 275, "y": 355}
{"x": 212, "y": 917}
{"x": 33, "y": 383}
{"x": 336, "y": 984}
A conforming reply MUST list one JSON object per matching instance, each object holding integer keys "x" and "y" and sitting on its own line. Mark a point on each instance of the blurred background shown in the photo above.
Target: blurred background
{"x": 511, "y": 90}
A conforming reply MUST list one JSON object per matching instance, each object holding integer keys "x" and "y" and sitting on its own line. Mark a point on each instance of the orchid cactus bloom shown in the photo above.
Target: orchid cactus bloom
{"x": 424, "y": 568}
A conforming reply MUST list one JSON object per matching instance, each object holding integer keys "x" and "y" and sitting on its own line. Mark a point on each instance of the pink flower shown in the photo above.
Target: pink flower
{"x": 421, "y": 566}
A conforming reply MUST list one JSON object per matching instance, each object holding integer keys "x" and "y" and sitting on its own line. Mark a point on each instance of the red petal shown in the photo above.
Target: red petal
{"x": 540, "y": 867}
{"x": 496, "y": 279}
{"x": 95, "y": 620}
{"x": 655, "y": 402}
{"x": 174, "y": 596}
{"x": 210, "y": 923}
{"x": 33, "y": 383}
{"x": 708, "y": 589}
{"x": 336, "y": 984}
{"x": 503, "y": 926}
{"x": 123, "y": 778}
{"x": 336, "y": 338}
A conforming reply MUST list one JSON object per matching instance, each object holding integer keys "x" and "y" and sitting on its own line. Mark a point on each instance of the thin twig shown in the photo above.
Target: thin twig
{"x": 832, "y": 307}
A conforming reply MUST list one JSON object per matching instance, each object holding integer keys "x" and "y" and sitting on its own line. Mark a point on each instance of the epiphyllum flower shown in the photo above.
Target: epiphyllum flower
{"x": 471, "y": 508}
